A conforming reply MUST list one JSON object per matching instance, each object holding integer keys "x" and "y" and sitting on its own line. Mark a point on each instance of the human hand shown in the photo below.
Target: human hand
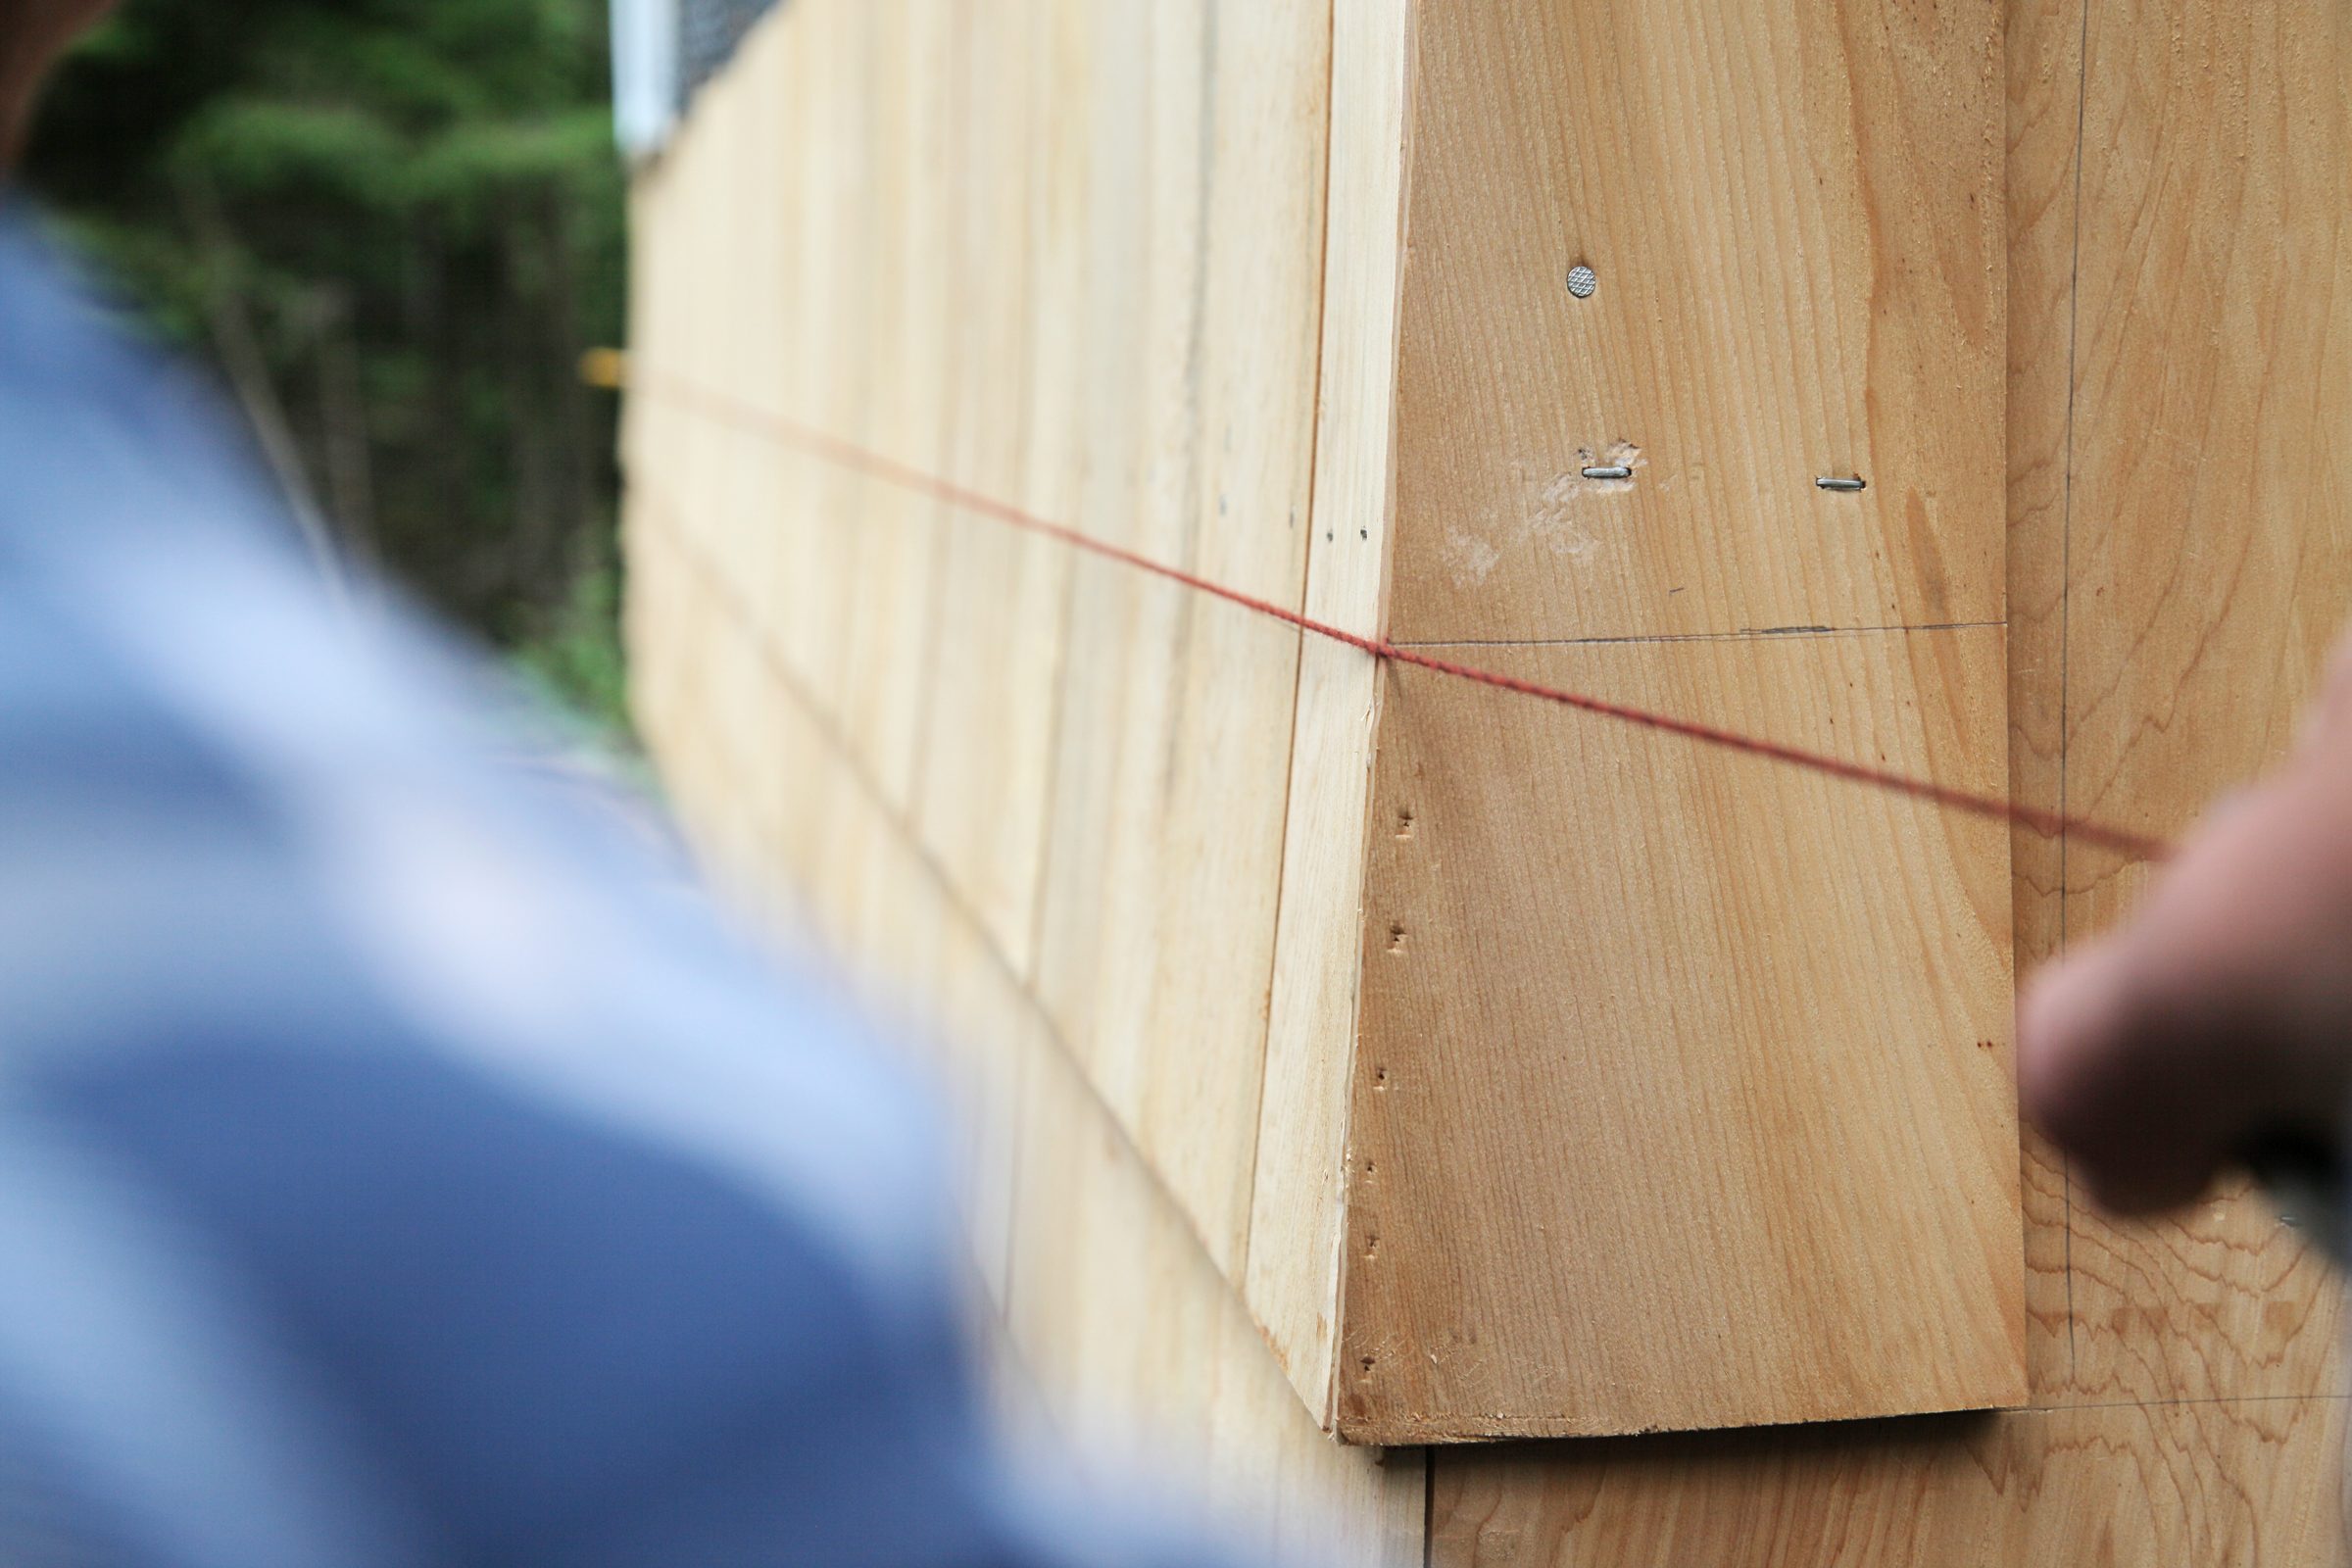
{"x": 2220, "y": 1013}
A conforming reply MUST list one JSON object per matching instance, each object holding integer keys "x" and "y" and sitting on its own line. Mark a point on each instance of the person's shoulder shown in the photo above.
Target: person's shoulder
{"x": 549, "y": 1174}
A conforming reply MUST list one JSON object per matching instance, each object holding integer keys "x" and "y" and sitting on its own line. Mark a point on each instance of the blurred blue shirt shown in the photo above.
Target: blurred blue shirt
{"x": 398, "y": 1162}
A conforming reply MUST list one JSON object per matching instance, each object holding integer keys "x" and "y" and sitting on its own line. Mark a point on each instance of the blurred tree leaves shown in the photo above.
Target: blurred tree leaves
{"x": 394, "y": 224}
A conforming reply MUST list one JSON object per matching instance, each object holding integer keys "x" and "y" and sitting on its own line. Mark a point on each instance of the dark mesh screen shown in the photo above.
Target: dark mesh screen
{"x": 709, "y": 31}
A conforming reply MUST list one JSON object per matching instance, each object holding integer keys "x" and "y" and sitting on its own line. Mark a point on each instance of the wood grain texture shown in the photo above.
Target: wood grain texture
{"x": 994, "y": 633}
{"x": 894, "y": 571}
{"x": 1684, "y": 1094}
{"x": 1794, "y": 211}
{"x": 1071, "y": 253}
{"x": 2045, "y": 72}
{"x": 1173, "y": 316}
{"x": 2210, "y": 547}
{"x": 1198, "y": 313}
{"x": 2174, "y": 436}
{"x": 1141, "y": 1363}
{"x": 2253, "y": 1485}
{"x": 2177, "y": 563}
{"x": 1298, "y": 1188}
{"x": 1611, "y": 988}
{"x": 1068, "y": 254}
{"x": 1153, "y": 1367}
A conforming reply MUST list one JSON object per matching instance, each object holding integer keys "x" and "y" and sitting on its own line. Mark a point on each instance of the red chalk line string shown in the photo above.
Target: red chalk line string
{"x": 848, "y": 454}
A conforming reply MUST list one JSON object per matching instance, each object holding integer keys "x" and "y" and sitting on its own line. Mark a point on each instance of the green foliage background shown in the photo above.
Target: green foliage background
{"x": 395, "y": 224}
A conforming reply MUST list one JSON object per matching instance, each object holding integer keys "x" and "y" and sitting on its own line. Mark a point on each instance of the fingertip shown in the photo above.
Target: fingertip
{"x": 2091, "y": 1075}
{"x": 2062, "y": 1033}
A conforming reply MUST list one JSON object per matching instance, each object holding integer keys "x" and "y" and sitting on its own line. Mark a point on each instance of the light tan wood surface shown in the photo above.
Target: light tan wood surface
{"x": 1794, "y": 209}
{"x": 1685, "y": 1094}
{"x": 2209, "y": 567}
{"x": 957, "y": 234}
{"x": 1127, "y": 1326}
{"x": 1071, "y": 253}
{"x": 1123, "y": 1345}
{"x": 1162, "y": 871}
{"x": 994, "y": 637}
{"x": 2044, "y": 71}
{"x": 1299, "y": 1190}
{"x": 2249, "y": 1486}
{"x": 1180, "y": 274}
{"x": 1681, "y": 1088}
{"x": 2177, "y": 565}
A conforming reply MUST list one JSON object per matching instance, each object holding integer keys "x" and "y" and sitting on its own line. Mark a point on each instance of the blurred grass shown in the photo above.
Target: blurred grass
{"x": 576, "y": 660}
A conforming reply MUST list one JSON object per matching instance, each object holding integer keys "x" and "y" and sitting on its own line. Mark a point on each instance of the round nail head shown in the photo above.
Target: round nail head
{"x": 1583, "y": 281}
